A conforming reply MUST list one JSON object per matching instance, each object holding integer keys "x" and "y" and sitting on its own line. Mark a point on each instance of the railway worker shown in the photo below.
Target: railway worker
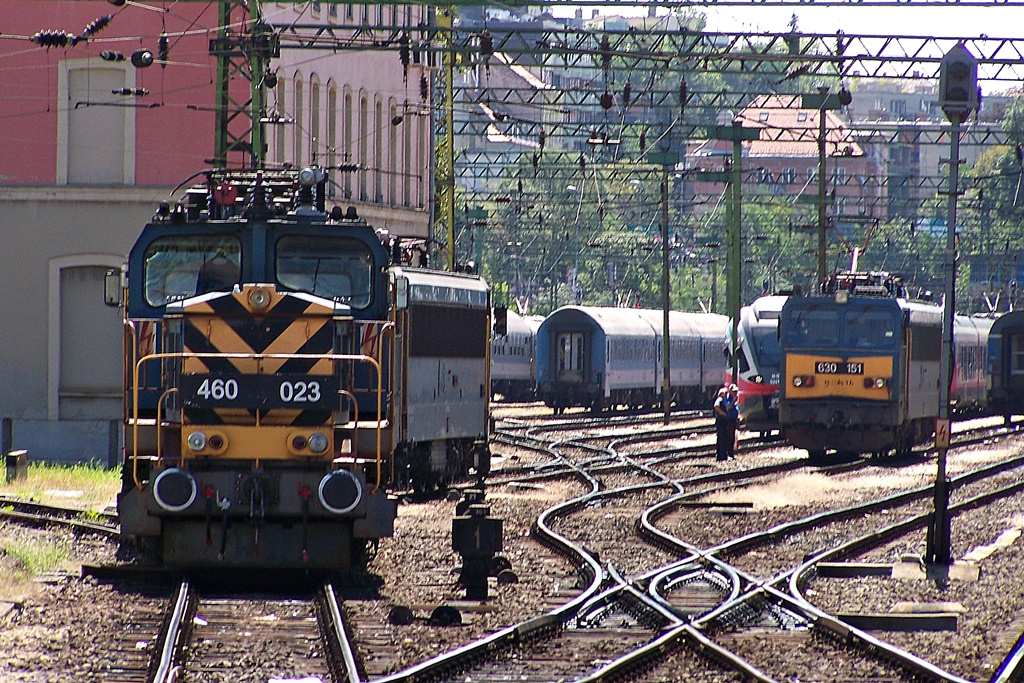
{"x": 727, "y": 415}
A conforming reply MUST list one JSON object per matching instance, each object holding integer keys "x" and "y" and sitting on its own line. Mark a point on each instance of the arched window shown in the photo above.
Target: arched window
{"x": 364, "y": 127}
{"x": 332, "y": 134}
{"x": 300, "y": 120}
{"x": 280, "y": 129}
{"x": 393, "y": 167}
{"x": 346, "y": 131}
{"x": 315, "y": 143}
{"x": 378, "y": 150}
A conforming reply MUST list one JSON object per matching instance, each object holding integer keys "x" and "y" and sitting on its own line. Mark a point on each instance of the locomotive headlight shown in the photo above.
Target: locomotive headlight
{"x": 318, "y": 442}
{"x": 875, "y": 382}
{"x": 803, "y": 381}
{"x": 196, "y": 441}
{"x": 259, "y": 298}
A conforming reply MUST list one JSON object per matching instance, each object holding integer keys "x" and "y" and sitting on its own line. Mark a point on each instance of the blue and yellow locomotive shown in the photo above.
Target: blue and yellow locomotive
{"x": 285, "y": 374}
{"x": 861, "y": 367}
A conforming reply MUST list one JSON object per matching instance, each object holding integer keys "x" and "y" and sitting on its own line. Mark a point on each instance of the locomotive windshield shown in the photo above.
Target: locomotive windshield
{"x": 339, "y": 268}
{"x": 766, "y": 346}
{"x": 183, "y": 266}
{"x": 847, "y": 327}
{"x": 813, "y": 327}
{"x": 869, "y": 329}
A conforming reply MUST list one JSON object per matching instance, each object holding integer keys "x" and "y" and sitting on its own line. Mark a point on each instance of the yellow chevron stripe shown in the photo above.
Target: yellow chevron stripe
{"x": 292, "y": 339}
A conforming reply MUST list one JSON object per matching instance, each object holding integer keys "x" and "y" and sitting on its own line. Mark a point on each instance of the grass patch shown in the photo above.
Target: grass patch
{"x": 36, "y": 557}
{"x": 88, "y": 486}
{"x": 23, "y": 559}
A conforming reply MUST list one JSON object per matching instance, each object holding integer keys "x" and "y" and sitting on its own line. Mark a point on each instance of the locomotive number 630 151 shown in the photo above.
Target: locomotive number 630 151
{"x": 836, "y": 368}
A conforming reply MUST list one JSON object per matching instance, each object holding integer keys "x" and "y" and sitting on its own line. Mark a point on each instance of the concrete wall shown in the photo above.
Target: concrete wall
{"x": 41, "y": 230}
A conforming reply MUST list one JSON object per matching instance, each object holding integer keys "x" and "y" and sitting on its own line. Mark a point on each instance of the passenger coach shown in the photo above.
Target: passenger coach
{"x": 603, "y": 357}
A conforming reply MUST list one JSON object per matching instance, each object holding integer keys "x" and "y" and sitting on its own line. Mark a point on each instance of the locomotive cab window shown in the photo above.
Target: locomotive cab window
{"x": 766, "y": 348}
{"x": 813, "y": 328}
{"x": 179, "y": 267}
{"x": 339, "y": 268}
{"x": 870, "y": 329}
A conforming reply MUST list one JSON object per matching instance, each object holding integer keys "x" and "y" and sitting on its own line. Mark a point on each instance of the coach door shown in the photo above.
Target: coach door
{"x": 570, "y": 357}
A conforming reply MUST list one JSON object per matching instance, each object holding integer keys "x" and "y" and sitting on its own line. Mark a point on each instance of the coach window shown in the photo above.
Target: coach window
{"x": 338, "y": 268}
{"x": 179, "y": 267}
{"x": 1018, "y": 354}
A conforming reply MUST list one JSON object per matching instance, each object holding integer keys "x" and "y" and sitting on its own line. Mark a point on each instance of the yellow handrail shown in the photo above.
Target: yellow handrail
{"x": 356, "y": 358}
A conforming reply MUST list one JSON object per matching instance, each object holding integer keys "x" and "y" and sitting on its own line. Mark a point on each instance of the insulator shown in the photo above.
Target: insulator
{"x": 583, "y": 163}
{"x": 162, "y": 49}
{"x": 535, "y": 160}
{"x": 542, "y": 138}
{"x": 643, "y": 141}
{"x": 52, "y": 38}
{"x": 424, "y": 88}
{"x": 95, "y": 26}
{"x": 682, "y": 95}
{"x": 607, "y": 100}
{"x": 111, "y": 56}
{"x": 403, "y": 50}
{"x": 486, "y": 44}
{"x": 520, "y": 185}
{"x": 627, "y": 92}
{"x": 133, "y": 92}
{"x": 142, "y": 58}
{"x": 606, "y": 52}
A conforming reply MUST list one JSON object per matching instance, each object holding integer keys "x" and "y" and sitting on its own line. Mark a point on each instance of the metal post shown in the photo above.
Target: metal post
{"x": 735, "y": 258}
{"x": 821, "y": 186}
{"x": 666, "y": 385}
{"x": 939, "y": 551}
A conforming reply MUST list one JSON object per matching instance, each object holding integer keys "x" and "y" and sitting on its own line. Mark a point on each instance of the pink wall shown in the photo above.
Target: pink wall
{"x": 173, "y": 125}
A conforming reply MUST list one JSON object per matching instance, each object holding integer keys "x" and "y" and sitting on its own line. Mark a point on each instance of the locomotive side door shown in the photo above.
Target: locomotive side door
{"x": 570, "y": 357}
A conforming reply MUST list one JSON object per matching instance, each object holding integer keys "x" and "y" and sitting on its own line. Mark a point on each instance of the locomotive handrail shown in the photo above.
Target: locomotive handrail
{"x": 355, "y": 432}
{"x": 357, "y": 358}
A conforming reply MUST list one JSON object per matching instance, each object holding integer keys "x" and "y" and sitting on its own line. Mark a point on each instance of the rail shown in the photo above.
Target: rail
{"x": 356, "y": 358}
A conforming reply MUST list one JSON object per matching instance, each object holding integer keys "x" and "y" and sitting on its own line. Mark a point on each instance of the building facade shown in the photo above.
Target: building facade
{"x": 106, "y": 112}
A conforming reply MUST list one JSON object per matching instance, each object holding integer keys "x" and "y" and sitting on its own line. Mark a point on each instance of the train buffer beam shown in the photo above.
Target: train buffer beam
{"x": 938, "y": 621}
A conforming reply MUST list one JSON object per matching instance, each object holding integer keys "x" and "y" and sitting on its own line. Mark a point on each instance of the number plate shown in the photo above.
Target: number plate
{"x": 259, "y": 392}
{"x": 834, "y": 368}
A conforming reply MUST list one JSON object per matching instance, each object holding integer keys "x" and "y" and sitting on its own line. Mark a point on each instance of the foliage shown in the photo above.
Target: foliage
{"x": 591, "y": 234}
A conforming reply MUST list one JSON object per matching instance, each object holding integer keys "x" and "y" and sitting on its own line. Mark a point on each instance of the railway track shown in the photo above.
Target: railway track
{"x": 679, "y": 573}
{"x": 41, "y": 514}
{"x": 222, "y": 637}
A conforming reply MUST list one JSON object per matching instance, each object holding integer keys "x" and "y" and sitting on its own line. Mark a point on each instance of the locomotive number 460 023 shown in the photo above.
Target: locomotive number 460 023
{"x": 264, "y": 391}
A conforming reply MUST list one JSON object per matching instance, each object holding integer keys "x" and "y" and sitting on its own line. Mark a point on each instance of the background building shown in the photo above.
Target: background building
{"x": 91, "y": 143}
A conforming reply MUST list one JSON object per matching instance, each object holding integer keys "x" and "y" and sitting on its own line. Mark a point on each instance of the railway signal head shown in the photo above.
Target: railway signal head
{"x": 958, "y": 83}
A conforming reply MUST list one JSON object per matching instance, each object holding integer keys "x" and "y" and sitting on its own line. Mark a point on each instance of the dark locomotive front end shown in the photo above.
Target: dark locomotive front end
{"x": 854, "y": 377}
{"x": 284, "y": 377}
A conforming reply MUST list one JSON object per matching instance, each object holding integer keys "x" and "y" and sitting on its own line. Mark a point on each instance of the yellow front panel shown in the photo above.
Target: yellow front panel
{"x": 838, "y": 385}
{"x": 257, "y": 443}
